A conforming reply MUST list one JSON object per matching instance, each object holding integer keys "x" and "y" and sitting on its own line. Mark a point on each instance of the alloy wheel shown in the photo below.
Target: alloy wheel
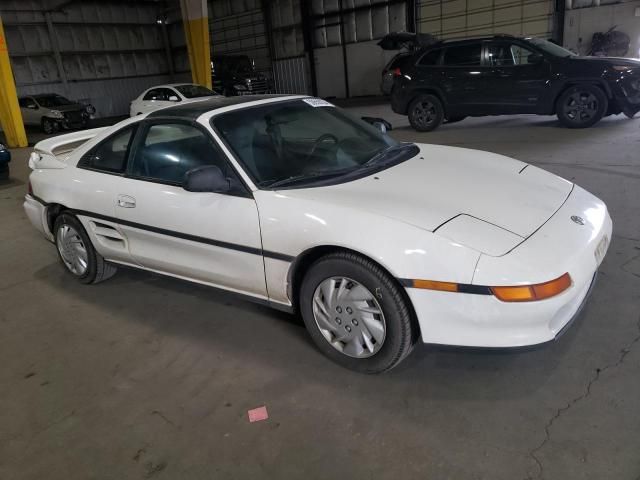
{"x": 349, "y": 317}
{"x": 425, "y": 113}
{"x": 72, "y": 250}
{"x": 581, "y": 106}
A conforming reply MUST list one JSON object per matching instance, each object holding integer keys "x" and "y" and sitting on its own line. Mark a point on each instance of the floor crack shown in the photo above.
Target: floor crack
{"x": 598, "y": 372}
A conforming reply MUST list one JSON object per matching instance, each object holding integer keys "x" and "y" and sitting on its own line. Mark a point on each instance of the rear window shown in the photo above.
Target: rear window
{"x": 463, "y": 55}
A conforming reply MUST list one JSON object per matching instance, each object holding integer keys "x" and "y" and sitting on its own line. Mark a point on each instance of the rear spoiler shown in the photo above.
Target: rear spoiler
{"x": 51, "y": 153}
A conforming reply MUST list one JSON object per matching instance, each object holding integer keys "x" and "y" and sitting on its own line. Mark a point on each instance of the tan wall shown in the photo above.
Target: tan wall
{"x": 469, "y": 18}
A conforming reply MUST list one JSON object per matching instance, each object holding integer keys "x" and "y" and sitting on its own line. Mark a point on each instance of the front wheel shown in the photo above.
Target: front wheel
{"x": 426, "y": 113}
{"x": 581, "y": 106}
{"x": 356, "y": 313}
{"x": 48, "y": 126}
{"x": 77, "y": 253}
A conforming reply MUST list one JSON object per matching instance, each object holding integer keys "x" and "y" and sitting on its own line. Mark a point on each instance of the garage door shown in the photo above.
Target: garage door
{"x": 468, "y": 18}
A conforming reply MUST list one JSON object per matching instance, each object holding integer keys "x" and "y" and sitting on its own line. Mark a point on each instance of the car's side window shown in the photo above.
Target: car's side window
{"x": 157, "y": 94}
{"x": 463, "y": 55}
{"x": 508, "y": 54}
{"x": 27, "y": 102}
{"x": 430, "y": 58}
{"x": 110, "y": 156}
{"x": 169, "y": 150}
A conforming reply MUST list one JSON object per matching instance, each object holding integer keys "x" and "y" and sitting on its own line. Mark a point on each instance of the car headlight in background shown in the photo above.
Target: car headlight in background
{"x": 55, "y": 114}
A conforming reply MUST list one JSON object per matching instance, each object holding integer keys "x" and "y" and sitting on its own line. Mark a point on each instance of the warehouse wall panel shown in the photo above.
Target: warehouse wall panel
{"x": 109, "y": 50}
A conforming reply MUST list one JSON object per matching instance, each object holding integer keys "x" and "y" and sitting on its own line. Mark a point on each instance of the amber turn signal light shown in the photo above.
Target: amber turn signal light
{"x": 528, "y": 293}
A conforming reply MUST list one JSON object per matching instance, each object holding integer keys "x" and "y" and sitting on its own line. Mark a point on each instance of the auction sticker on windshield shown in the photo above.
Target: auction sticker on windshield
{"x": 317, "y": 102}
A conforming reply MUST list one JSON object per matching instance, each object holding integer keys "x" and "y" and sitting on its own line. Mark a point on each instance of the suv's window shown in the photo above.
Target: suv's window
{"x": 508, "y": 54}
{"x": 170, "y": 150}
{"x": 159, "y": 94}
{"x": 463, "y": 55}
{"x": 430, "y": 58}
{"x": 110, "y": 155}
{"x": 27, "y": 102}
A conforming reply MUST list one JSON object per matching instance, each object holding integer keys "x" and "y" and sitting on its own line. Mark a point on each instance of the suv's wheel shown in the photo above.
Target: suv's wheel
{"x": 77, "y": 253}
{"x": 356, "y": 313}
{"x": 581, "y": 106}
{"x": 47, "y": 125}
{"x": 426, "y": 113}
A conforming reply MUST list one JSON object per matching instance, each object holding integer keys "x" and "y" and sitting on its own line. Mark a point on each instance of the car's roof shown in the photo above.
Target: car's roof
{"x": 452, "y": 41}
{"x": 195, "y": 109}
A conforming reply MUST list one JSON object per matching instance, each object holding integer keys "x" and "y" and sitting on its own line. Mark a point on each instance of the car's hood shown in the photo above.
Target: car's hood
{"x": 629, "y": 62}
{"x": 442, "y": 182}
{"x": 72, "y": 107}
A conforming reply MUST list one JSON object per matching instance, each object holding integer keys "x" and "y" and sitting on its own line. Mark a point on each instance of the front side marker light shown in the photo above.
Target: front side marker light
{"x": 529, "y": 293}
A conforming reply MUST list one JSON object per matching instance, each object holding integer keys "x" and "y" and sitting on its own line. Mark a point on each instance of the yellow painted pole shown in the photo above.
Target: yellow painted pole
{"x": 10, "y": 116}
{"x": 196, "y": 31}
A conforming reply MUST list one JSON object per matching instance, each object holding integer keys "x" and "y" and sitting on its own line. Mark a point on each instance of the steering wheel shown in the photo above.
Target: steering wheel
{"x": 319, "y": 140}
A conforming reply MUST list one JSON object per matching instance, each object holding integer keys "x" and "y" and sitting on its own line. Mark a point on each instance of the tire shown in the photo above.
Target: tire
{"x": 581, "y": 106}
{"x": 373, "y": 343}
{"x": 426, "y": 113}
{"x": 455, "y": 119}
{"x": 47, "y": 125}
{"x": 71, "y": 240}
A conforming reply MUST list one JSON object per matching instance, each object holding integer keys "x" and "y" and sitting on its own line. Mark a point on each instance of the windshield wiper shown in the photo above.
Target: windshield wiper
{"x": 388, "y": 153}
{"x": 304, "y": 177}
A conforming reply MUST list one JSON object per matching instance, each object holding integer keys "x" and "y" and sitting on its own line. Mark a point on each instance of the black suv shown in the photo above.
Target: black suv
{"x": 235, "y": 75}
{"x": 504, "y": 75}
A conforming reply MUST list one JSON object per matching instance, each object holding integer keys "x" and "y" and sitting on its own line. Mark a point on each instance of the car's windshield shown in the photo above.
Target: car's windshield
{"x": 301, "y": 139}
{"x": 194, "y": 91}
{"x": 52, "y": 101}
{"x": 550, "y": 47}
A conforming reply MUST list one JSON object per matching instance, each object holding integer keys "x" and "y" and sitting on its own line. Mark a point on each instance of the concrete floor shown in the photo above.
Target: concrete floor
{"x": 149, "y": 377}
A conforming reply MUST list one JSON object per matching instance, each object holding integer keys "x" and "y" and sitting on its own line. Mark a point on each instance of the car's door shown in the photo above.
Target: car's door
{"x": 518, "y": 77}
{"x": 156, "y": 98}
{"x": 208, "y": 237}
{"x": 464, "y": 77}
{"x": 95, "y": 184}
{"x": 30, "y": 111}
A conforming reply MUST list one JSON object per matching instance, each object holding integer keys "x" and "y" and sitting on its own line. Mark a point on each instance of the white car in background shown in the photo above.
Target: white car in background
{"x": 296, "y": 204}
{"x": 163, "y": 96}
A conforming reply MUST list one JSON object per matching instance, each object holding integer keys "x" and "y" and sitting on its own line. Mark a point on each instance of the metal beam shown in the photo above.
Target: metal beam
{"x": 53, "y": 39}
{"x": 10, "y": 116}
{"x": 196, "y": 31}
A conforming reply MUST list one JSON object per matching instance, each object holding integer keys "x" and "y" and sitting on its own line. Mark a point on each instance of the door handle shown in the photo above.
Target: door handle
{"x": 125, "y": 201}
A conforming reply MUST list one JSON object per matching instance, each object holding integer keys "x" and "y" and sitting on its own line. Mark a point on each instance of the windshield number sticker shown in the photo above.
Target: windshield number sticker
{"x": 317, "y": 102}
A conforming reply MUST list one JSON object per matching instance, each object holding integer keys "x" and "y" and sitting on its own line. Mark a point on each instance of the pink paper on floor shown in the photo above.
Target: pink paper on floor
{"x": 258, "y": 414}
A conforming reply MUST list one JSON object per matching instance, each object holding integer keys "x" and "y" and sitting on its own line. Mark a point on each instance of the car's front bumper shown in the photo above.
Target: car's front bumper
{"x": 559, "y": 246}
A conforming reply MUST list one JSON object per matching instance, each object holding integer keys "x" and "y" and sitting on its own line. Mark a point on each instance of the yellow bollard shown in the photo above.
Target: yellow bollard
{"x": 10, "y": 116}
{"x": 196, "y": 31}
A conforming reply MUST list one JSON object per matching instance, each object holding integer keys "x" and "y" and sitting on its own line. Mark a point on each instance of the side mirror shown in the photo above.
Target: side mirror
{"x": 206, "y": 179}
{"x": 380, "y": 123}
{"x": 535, "y": 58}
{"x": 173, "y": 98}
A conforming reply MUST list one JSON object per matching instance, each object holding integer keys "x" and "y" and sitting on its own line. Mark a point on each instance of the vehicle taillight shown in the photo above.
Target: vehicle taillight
{"x": 397, "y": 72}
{"x": 30, "y": 188}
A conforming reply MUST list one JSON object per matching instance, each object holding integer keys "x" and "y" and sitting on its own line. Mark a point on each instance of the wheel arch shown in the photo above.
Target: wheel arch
{"x": 601, "y": 84}
{"x": 303, "y": 262}
{"x": 53, "y": 212}
{"x": 429, "y": 91}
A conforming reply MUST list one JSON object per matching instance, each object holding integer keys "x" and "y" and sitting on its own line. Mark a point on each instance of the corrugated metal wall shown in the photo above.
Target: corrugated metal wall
{"x": 237, "y": 27}
{"x": 109, "y": 51}
{"x": 290, "y": 60}
{"x": 468, "y": 18}
{"x": 356, "y": 25}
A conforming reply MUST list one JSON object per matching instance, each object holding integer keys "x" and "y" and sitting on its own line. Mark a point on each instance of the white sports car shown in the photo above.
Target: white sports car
{"x": 296, "y": 204}
{"x": 163, "y": 96}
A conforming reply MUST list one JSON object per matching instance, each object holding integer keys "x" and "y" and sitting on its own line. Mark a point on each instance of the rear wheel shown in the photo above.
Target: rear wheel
{"x": 77, "y": 253}
{"x": 426, "y": 113}
{"x": 581, "y": 106}
{"x": 356, "y": 313}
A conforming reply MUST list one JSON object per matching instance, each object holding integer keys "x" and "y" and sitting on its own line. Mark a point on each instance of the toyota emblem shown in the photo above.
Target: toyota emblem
{"x": 577, "y": 219}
